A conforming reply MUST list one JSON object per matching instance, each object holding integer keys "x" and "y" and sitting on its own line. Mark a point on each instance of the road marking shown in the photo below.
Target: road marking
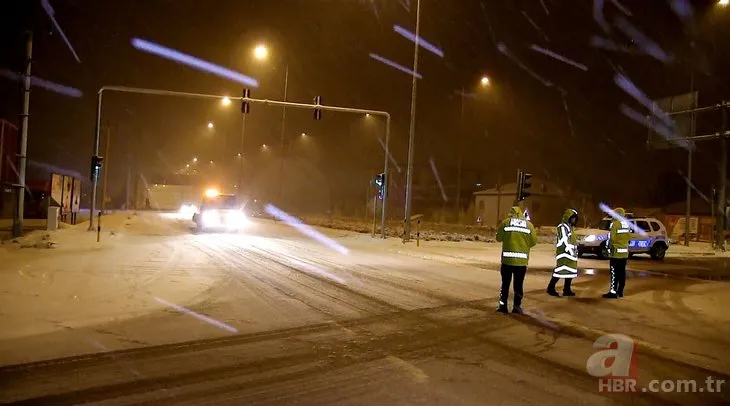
{"x": 415, "y": 373}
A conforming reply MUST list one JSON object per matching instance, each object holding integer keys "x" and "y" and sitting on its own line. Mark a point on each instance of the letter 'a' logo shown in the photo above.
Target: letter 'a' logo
{"x": 616, "y": 357}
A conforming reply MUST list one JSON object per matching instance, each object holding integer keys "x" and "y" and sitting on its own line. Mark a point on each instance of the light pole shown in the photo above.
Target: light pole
{"x": 240, "y": 160}
{"x": 261, "y": 52}
{"x": 484, "y": 82}
{"x": 283, "y": 129}
{"x": 412, "y": 131}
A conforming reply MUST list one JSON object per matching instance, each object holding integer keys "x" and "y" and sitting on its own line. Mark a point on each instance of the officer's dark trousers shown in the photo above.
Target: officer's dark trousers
{"x": 618, "y": 276}
{"x": 508, "y": 271}
{"x": 554, "y": 282}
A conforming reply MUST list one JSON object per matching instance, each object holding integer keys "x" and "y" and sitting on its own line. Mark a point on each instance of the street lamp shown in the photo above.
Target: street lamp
{"x": 195, "y": 159}
{"x": 226, "y": 101}
{"x": 367, "y": 115}
{"x": 210, "y": 125}
{"x": 484, "y": 82}
{"x": 261, "y": 52}
{"x": 723, "y": 2}
{"x": 304, "y": 135}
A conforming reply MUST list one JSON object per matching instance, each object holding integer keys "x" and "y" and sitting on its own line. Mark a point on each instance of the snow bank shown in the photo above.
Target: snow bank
{"x": 113, "y": 226}
{"x": 428, "y": 231}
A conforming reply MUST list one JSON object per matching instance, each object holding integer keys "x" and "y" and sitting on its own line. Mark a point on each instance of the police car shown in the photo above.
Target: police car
{"x": 655, "y": 242}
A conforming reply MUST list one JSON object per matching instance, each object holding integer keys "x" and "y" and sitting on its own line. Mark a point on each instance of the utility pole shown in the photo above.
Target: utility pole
{"x": 283, "y": 138}
{"x": 723, "y": 179}
{"x": 461, "y": 152}
{"x": 240, "y": 159}
{"x": 20, "y": 190}
{"x": 688, "y": 204}
{"x": 105, "y": 168}
{"x": 412, "y": 131}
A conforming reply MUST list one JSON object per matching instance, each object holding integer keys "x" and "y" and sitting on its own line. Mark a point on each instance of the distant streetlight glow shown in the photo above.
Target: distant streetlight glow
{"x": 261, "y": 52}
{"x": 210, "y": 125}
{"x": 195, "y": 159}
{"x": 367, "y": 114}
{"x": 484, "y": 81}
{"x": 226, "y": 101}
{"x": 187, "y": 165}
{"x": 723, "y": 2}
{"x": 211, "y": 162}
{"x": 304, "y": 134}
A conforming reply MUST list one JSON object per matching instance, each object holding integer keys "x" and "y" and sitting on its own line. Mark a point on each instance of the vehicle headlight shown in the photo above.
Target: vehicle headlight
{"x": 236, "y": 219}
{"x": 590, "y": 238}
{"x": 210, "y": 218}
{"x": 188, "y": 209}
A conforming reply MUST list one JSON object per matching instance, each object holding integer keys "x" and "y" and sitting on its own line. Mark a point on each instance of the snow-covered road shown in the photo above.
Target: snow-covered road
{"x": 157, "y": 314}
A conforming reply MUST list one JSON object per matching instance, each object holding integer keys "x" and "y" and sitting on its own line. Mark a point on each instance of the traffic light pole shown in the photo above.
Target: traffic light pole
{"x": 158, "y": 92}
{"x": 344, "y": 110}
{"x": 722, "y": 135}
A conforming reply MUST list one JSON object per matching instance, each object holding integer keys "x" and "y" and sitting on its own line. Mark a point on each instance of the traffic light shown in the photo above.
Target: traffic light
{"x": 523, "y": 185}
{"x": 96, "y": 164}
{"x": 245, "y": 105}
{"x": 380, "y": 184}
{"x": 318, "y": 112}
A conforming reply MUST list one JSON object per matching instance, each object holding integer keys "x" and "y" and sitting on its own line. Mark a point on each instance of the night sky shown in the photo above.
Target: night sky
{"x": 570, "y": 131}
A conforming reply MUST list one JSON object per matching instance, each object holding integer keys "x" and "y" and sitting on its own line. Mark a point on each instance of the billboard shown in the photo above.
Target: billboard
{"x": 76, "y": 195}
{"x": 66, "y": 198}
{"x": 56, "y": 190}
{"x": 683, "y": 125}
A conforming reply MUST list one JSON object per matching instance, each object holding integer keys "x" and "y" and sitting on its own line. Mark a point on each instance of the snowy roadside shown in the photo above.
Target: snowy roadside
{"x": 468, "y": 238}
{"x": 79, "y": 282}
{"x": 428, "y": 231}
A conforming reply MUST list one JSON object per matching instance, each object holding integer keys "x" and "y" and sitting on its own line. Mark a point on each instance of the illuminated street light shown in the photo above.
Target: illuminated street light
{"x": 210, "y": 125}
{"x": 187, "y": 165}
{"x": 211, "y": 162}
{"x": 304, "y": 135}
{"x": 239, "y": 154}
{"x": 226, "y": 101}
{"x": 723, "y": 2}
{"x": 367, "y": 115}
{"x": 195, "y": 159}
{"x": 260, "y": 52}
{"x": 484, "y": 81}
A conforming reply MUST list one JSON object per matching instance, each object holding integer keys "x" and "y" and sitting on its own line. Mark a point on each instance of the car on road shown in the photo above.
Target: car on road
{"x": 220, "y": 212}
{"x": 655, "y": 242}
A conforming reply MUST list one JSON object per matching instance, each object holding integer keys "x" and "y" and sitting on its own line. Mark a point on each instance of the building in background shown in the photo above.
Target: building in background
{"x": 545, "y": 205}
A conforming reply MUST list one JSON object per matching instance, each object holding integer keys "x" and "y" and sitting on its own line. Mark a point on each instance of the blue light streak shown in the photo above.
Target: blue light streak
{"x": 305, "y": 229}
{"x": 418, "y": 40}
{"x": 558, "y": 57}
{"x": 616, "y": 216}
{"x": 395, "y": 65}
{"x": 36, "y": 81}
{"x": 194, "y": 62}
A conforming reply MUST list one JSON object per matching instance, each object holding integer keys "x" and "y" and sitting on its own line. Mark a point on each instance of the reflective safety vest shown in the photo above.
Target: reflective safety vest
{"x": 518, "y": 236}
{"x": 566, "y": 253}
{"x": 618, "y": 239}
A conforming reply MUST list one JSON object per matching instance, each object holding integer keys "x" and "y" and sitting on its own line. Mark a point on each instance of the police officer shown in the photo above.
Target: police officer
{"x": 517, "y": 236}
{"x": 566, "y": 254}
{"x": 618, "y": 252}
